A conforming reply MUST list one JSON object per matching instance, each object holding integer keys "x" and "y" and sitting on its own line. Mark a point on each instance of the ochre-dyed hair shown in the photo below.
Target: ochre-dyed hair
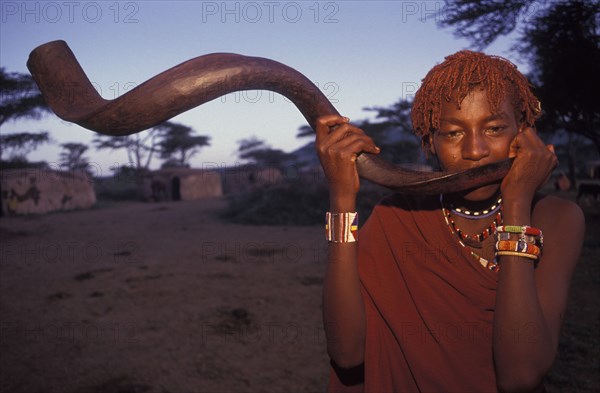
{"x": 458, "y": 75}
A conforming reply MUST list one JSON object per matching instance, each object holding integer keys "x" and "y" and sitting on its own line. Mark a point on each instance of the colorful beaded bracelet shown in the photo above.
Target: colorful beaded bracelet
{"x": 517, "y": 236}
{"x": 524, "y": 229}
{"x": 341, "y": 227}
{"x": 518, "y": 246}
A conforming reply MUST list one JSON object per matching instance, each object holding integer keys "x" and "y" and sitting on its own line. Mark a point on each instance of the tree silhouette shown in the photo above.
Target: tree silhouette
{"x": 483, "y": 21}
{"x": 18, "y": 145}
{"x": 258, "y": 152}
{"x": 562, "y": 47}
{"x": 563, "y": 50}
{"x": 140, "y": 147}
{"x": 72, "y": 157}
{"x": 179, "y": 144}
{"x": 393, "y": 134}
{"x": 20, "y": 97}
{"x": 398, "y": 114}
{"x": 305, "y": 131}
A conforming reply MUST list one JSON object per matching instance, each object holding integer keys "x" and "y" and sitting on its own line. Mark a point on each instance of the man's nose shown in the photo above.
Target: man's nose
{"x": 475, "y": 147}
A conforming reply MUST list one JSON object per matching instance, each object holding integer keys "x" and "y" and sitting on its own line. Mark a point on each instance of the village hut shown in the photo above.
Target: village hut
{"x": 37, "y": 190}
{"x": 181, "y": 184}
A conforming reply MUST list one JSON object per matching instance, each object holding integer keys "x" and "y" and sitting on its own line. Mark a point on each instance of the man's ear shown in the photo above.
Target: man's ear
{"x": 522, "y": 124}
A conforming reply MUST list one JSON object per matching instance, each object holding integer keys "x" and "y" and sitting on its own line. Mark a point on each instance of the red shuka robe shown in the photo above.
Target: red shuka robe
{"x": 429, "y": 304}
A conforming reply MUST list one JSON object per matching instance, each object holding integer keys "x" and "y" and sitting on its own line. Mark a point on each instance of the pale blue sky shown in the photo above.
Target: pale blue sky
{"x": 361, "y": 53}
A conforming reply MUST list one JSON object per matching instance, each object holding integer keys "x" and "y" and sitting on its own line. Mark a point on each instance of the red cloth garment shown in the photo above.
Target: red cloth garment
{"x": 429, "y": 304}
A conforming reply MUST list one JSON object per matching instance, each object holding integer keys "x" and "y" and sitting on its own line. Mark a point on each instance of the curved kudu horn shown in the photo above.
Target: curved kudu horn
{"x": 69, "y": 93}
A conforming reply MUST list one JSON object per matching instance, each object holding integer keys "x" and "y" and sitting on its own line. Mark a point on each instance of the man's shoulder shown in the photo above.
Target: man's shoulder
{"x": 557, "y": 213}
{"x": 551, "y": 206}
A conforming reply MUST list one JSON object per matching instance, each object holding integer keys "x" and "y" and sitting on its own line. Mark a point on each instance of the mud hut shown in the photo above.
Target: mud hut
{"x": 181, "y": 184}
{"x": 36, "y": 191}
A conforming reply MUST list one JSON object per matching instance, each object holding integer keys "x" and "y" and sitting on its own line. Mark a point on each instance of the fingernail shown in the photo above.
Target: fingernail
{"x": 346, "y": 118}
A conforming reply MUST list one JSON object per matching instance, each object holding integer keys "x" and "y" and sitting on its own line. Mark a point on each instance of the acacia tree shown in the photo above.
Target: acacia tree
{"x": 20, "y": 98}
{"x": 140, "y": 147}
{"x": 483, "y": 21}
{"x": 179, "y": 144}
{"x": 563, "y": 50}
{"x": 72, "y": 157}
{"x": 18, "y": 145}
{"x": 392, "y": 133}
{"x": 258, "y": 152}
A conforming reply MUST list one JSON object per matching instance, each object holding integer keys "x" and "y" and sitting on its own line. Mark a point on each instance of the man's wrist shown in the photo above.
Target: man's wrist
{"x": 517, "y": 214}
{"x": 342, "y": 205}
{"x": 342, "y": 201}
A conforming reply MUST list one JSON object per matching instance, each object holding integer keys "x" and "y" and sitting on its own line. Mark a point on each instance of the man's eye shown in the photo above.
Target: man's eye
{"x": 451, "y": 134}
{"x": 495, "y": 129}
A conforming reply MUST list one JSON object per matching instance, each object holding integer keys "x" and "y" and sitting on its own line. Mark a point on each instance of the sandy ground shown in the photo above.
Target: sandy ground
{"x": 140, "y": 298}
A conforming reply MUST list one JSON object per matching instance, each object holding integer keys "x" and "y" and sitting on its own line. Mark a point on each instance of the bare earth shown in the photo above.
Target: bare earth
{"x": 139, "y": 297}
{"x": 166, "y": 297}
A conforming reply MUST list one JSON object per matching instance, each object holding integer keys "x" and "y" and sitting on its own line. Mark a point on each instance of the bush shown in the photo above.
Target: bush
{"x": 116, "y": 190}
{"x": 293, "y": 203}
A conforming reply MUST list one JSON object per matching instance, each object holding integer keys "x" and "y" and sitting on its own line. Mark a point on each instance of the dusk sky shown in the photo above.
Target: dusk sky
{"x": 360, "y": 53}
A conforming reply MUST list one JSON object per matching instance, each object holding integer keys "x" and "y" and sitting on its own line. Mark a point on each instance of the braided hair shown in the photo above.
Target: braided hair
{"x": 460, "y": 74}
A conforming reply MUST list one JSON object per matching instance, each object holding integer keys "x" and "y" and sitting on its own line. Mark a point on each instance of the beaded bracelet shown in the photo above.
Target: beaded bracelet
{"x": 516, "y": 236}
{"x": 517, "y": 254}
{"x": 519, "y": 236}
{"x": 518, "y": 246}
{"x": 341, "y": 227}
{"x": 525, "y": 232}
{"x": 524, "y": 229}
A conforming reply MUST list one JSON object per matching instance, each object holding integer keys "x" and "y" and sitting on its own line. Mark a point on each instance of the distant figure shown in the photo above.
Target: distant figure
{"x": 562, "y": 182}
{"x": 159, "y": 191}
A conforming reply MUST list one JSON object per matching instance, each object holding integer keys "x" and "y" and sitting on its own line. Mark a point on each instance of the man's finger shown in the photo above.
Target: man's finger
{"x": 325, "y": 123}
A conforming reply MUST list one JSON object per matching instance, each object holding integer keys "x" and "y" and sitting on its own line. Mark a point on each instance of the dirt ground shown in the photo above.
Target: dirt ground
{"x": 140, "y": 298}
{"x": 143, "y": 298}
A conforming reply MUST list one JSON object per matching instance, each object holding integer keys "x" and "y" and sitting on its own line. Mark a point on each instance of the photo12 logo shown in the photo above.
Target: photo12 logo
{"x": 444, "y": 11}
{"x": 270, "y": 11}
{"x": 70, "y": 11}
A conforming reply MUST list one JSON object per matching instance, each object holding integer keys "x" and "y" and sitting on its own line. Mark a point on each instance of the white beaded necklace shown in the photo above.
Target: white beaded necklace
{"x": 473, "y": 215}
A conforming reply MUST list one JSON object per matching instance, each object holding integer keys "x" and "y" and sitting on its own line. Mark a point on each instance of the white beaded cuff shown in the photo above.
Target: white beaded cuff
{"x": 341, "y": 227}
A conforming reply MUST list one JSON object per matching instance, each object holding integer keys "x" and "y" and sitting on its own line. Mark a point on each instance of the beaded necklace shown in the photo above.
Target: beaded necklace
{"x": 473, "y": 215}
{"x": 491, "y": 230}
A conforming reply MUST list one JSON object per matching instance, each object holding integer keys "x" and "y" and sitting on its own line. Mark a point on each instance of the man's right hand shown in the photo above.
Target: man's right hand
{"x": 338, "y": 144}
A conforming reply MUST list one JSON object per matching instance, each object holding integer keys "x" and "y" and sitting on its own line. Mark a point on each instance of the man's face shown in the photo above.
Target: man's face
{"x": 472, "y": 136}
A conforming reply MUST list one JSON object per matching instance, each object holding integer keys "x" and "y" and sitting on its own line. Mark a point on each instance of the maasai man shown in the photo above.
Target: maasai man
{"x": 461, "y": 292}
